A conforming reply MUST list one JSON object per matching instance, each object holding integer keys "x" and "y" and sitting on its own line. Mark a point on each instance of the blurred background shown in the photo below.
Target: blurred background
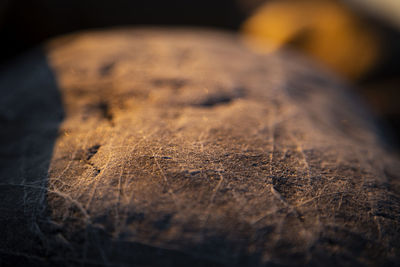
{"x": 358, "y": 40}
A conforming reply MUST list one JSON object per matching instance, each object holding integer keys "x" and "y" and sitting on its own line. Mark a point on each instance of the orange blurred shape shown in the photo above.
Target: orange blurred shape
{"x": 323, "y": 29}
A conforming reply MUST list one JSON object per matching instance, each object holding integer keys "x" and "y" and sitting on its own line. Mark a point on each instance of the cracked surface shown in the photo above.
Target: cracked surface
{"x": 184, "y": 145}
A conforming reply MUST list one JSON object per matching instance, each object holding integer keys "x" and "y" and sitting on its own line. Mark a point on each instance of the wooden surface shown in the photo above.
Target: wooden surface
{"x": 181, "y": 147}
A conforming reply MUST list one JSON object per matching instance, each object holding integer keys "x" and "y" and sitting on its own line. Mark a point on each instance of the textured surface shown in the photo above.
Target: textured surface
{"x": 181, "y": 147}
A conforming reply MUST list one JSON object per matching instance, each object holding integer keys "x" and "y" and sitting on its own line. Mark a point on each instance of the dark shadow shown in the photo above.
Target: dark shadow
{"x": 26, "y": 23}
{"x": 30, "y": 114}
